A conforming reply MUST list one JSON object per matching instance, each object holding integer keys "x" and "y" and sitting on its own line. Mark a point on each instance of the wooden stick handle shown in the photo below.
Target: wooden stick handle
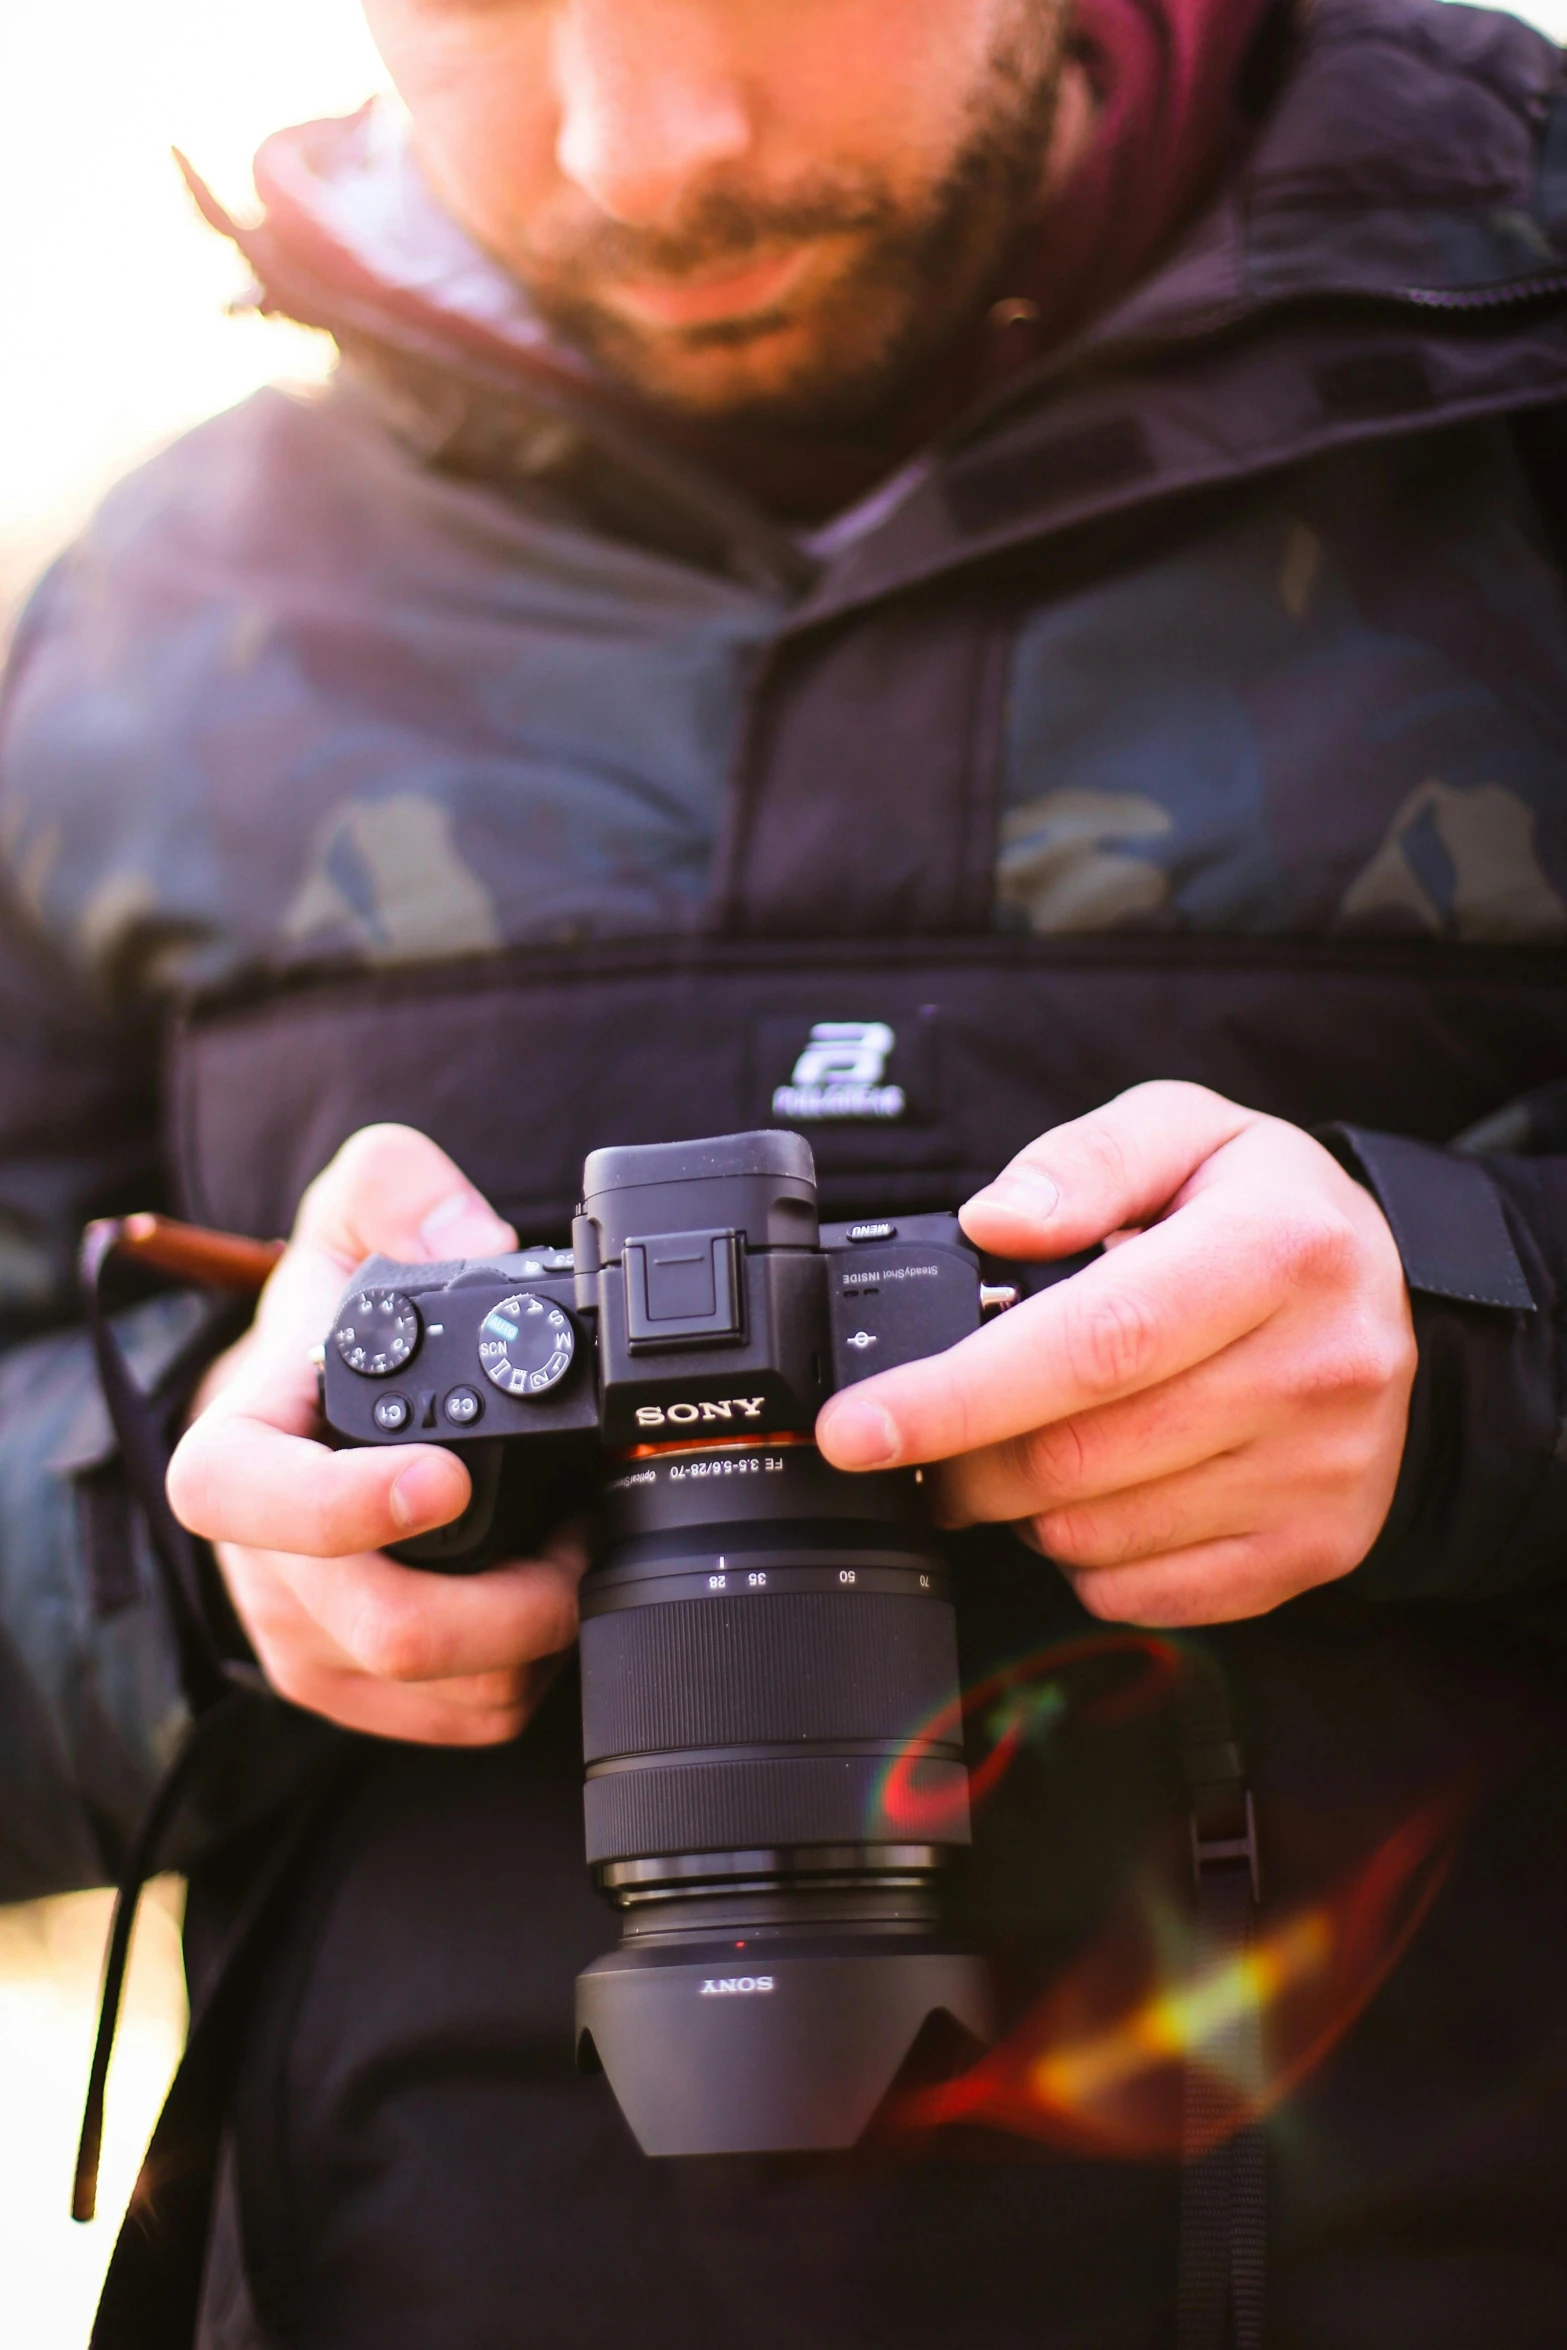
{"x": 193, "y": 1253}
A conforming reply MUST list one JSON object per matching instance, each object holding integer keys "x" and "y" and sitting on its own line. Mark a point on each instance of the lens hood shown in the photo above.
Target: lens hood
{"x": 773, "y": 2048}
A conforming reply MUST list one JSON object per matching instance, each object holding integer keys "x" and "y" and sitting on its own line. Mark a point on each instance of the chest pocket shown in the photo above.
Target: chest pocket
{"x": 915, "y": 1066}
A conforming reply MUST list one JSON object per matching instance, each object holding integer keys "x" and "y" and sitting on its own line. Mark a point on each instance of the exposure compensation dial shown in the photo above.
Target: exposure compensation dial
{"x": 378, "y": 1333}
{"x": 526, "y": 1345}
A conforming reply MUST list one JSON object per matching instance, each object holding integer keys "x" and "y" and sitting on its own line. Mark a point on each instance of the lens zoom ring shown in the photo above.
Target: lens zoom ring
{"x": 754, "y": 1671}
{"x": 738, "y": 1806}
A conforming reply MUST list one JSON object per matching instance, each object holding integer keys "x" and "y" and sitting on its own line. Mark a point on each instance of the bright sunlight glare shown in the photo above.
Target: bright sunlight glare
{"x": 112, "y": 292}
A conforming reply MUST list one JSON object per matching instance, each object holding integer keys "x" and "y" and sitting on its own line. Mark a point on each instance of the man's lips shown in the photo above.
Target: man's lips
{"x": 706, "y": 301}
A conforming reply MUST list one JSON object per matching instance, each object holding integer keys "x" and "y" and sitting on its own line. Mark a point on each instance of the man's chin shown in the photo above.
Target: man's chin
{"x": 741, "y": 369}
{"x": 765, "y": 372}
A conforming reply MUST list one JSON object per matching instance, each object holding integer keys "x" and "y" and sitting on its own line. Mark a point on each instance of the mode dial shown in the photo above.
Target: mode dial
{"x": 526, "y": 1345}
{"x": 378, "y": 1333}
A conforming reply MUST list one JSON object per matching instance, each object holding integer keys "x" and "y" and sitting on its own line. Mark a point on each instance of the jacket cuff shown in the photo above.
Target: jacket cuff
{"x": 1444, "y": 1213}
{"x": 1480, "y": 1509}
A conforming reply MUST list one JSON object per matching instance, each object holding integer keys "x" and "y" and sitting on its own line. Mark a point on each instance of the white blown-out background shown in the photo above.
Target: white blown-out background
{"x": 113, "y": 327}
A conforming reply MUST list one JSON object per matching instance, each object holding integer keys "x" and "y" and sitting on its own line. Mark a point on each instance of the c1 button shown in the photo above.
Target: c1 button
{"x": 392, "y": 1413}
{"x": 462, "y": 1407}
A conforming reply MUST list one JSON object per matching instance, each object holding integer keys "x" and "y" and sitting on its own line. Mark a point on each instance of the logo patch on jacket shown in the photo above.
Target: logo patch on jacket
{"x": 876, "y": 1073}
{"x": 842, "y": 1073}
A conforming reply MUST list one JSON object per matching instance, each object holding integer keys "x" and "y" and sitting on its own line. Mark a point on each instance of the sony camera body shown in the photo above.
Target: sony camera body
{"x": 701, "y": 1298}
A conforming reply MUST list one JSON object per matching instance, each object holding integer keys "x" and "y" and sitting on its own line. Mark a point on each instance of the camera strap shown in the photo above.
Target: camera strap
{"x": 1223, "y": 2222}
{"x": 152, "y": 2290}
{"x": 222, "y": 1690}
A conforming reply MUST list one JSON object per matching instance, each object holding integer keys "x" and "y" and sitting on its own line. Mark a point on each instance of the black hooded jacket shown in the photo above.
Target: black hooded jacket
{"x": 449, "y": 747}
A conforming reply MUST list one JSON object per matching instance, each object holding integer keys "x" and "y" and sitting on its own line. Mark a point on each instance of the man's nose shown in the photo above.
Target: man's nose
{"x": 651, "y": 104}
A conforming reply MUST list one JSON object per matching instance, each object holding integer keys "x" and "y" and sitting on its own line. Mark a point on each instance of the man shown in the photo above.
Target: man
{"x": 1033, "y": 535}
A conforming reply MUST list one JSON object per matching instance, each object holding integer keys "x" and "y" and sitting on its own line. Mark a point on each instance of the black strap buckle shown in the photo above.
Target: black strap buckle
{"x": 1224, "y": 1832}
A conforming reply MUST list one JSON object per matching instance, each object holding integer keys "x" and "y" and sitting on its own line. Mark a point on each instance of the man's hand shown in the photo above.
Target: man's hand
{"x": 1208, "y": 1419}
{"x": 300, "y": 1530}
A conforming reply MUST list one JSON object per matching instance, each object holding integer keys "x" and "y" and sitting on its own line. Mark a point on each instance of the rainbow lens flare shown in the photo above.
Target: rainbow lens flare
{"x": 1099, "y": 2064}
{"x": 1021, "y": 1705}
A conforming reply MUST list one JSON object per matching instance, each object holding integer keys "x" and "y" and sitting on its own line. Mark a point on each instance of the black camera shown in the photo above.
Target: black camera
{"x": 775, "y": 1775}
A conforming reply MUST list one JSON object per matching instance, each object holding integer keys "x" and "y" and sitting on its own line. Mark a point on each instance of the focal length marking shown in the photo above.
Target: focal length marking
{"x": 744, "y": 1577}
{"x": 752, "y": 1464}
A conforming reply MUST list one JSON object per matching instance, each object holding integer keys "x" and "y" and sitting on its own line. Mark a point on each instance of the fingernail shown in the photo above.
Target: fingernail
{"x": 463, "y": 1226}
{"x": 1027, "y": 1195}
{"x": 863, "y": 1435}
{"x": 422, "y": 1497}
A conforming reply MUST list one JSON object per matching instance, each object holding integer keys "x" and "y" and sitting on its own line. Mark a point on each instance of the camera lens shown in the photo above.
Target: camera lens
{"x": 762, "y": 1638}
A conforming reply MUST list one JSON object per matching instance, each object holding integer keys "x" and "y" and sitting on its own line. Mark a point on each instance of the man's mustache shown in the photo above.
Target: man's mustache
{"x": 723, "y": 229}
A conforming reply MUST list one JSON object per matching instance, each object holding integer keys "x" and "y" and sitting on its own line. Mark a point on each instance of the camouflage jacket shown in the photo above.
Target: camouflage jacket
{"x": 458, "y": 657}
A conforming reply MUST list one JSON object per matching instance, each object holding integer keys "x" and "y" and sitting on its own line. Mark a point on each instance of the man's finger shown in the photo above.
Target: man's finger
{"x": 414, "y": 1714}
{"x": 392, "y": 1191}
{"x": 1214, "y": 1583}
{"x": 236, "y": 1478}
{"x": 483, "y": 1712}
{"x": 305, "y": 1665}
{"x": 400, "y": 1623}
{"x": 1121, "y": 1165}
{"x": 1169, "y": 1298}
{"x": 295, "y": 1648}
{"x": 1229, "y": 1498}
{"x": 1216, "y": 1407}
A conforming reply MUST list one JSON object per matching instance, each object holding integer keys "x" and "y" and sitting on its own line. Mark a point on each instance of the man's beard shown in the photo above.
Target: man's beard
{"x": 919, "y": 273}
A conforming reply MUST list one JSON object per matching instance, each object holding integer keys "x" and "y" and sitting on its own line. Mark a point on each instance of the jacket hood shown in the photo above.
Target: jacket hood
{"x": 346, "y": 205}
